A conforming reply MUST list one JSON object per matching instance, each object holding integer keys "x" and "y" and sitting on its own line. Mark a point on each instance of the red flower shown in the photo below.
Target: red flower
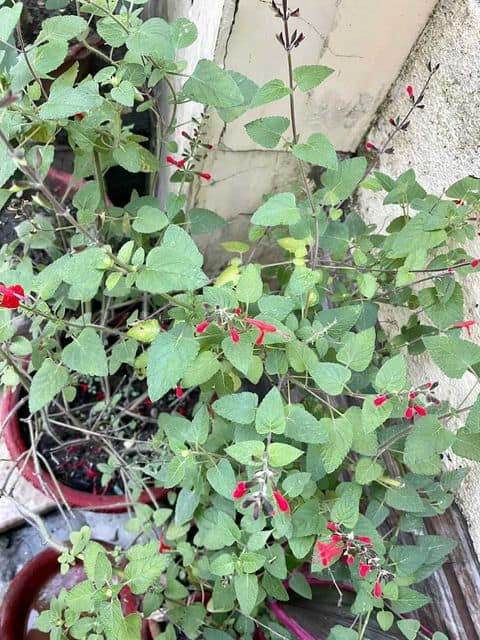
{"x": 263, "y": 326}
{"x": 209, "y": 147}
{"x": 329, "y": 551}
{"x": 379, "y": 400}
{"x": 205, "y": 176}
{"x": 100, "y": 396}
{"x": 412, "y": 395}
{"x": 408, "y": 413}
{"x": 420, "y": 410}
{"x": 234, "y": 335}
{"x": 92, "y": 474}
{"x": 465, "y": 324}
{"x": 428, "y": 385}
{"x": 475, "y": 263}
{"x": 410, "y": 91}
{"x": 369, "y": 146}
{"x": 350, "y": 560}
{"x": 185, "y": 134}
{"x": 282, "y": 502}
{"x": 459, "y": 202}
{"x": 11, "y": 296}
{"x": 179, "y": 391}
{"x": 364, "y": 569}
{"x": 260, "y": 338}
{"x": 200, "y": 328}
{"x": 240, "y": 490}
{"x": 331, "y": 526}
{"x": 237, "y": 311}
{"x": 162, "y": 546}
{"x": 336, "y": 537}
{"x": 392, "y": 122}
{"x": 79, "y": 116}
{"x": 377, "y": 589}
{"x": 147, "y": 402}
{"x": 365, "y": 539}
{"x": 84, "y": 387}
{"x": 181, "y": 163}
{"x": 176, "y": 163}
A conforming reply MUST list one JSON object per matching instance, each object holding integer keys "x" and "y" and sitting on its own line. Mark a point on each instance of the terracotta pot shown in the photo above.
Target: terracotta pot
{"x": 32, "y": 589}
{"x": 17, "y": 446}
{"x": 313, "y": 619}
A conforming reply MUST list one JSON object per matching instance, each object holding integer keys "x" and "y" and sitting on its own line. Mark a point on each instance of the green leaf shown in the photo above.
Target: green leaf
{"x": 408, "y": 600}
{"x": 346, "y": 509}
{"x": 205, "y": 221}
{"x": 295, "y": 483}
{"x": 404, "y": 499}
{"x": 246, "y": 591}
{"x": 211, "y": 85}
{"x": 222, "y": 479}
{"x": 342, "y": 633}
{"x": 302, "y": 426}
{"x": 65, "y": 101}
{"x": 318, "y": 150}
{"x": 339, "y": 184}
{"x": 299, "y": 583}
{"x": 340, "y": 438}
{"x": 357, "y": 349}
{"x": 367, "y": 470}
{"x": 239, "y": 353}
{"x": 185, "y": 506}
{"x": 149, "y": 220}
{"x": 385, "y": 620}
{"x": 49, "y": 380}
{"x": 247, "y": 452}
{"x": 9, "y": 16}
{"x": 86, "y": 354}
{"x": 443, "y": 310}
{"x": 367, "y": 284}
{"x": 62, "y": 28}
{"x": 281, "y": 455}
{"x": 270, "y": 416}
{"x": 423, "y": 446}
{"x": 277, "y": 210}
{"x": 267, "y": 131}
{"x": 124, "y": 93}
{"x": 248, "y": 89}
{"x": 453, "y": 355}
{"x": 169, "y": 358}
{"x": 237, "y": 407}
{"x": 204, "y": 367}
{"x": 392, "y": 376}
{"x": 251, "y": 562}
{"x": 184, "y": 33}
{"x": 250, "y": 286}
{"x": 174, "y": 266}
{"x": 153, "y": 38}
{"x": 270, "y": 92}
{"x": 467, "y": 445}
{"x": 308, "y": 77}
{"x": 330, "y": 377}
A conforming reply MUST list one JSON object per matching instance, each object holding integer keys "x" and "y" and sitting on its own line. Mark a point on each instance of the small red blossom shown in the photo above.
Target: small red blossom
{"x": 364, "y": 569}
{"x": 182, "y": 411}
{"x": 465, "y": 324}
{"x": 331, "y": 526}
{"x": 200, "y": 328}
{"x": 84, "y": 387}
{"x": 336, "y": 537}
{"x": 185, "y": 134}
{"x": 460, "y": 203}
{"x": 237, "y": 311}
{"x": 205, "y": 176}
{"x": 260, "y": 338}
{"x": 263, "y": 326}
{"x": 474, "y": 263}
{"x": 369, "y": 146}
{"x": 100, "y": 396}
{"x": 282, "y": 502}
{"x": 365, "y": 539}
{"x": 11, "y": 296}
{"x": 350, "y": 559}
{"x": 410, "y": 91}
{"x": 412, "y": 395}
{"x": 178, "y": 391}
{"x": 328, "y": 551}
{"x": 234, "y": 336}
{"x": 147, "y": 402}
{"x": 240, "y": 490}
{"x": 428, "y": 385}
{"x": 421, "y": 411}
{"x": 392, "y": 122}
{"x": 175, "y": 163}
{"x": 162, "y": 546}
{"x": 79, "y": 116}
{"x": 377, "y": 589}
{"x": 408, "y": 413}
{"x": 379, "y": 400}
{"x": 209, "y": 147}
{"x": 92, "y": 474}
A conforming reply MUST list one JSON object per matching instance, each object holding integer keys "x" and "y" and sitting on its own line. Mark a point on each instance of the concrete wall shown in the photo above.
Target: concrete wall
{"x": 442, "y": 145}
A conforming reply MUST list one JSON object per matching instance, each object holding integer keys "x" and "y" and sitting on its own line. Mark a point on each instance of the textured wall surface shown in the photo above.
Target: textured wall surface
{"x": 442, "y": 145}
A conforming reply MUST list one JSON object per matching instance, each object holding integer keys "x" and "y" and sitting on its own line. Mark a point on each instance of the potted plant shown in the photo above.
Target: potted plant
{"x": 276, "y": 405}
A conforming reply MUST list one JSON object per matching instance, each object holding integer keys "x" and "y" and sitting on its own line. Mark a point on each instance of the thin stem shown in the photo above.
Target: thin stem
{"x": 29, "y": 65}
{"x": 100, "y": 179}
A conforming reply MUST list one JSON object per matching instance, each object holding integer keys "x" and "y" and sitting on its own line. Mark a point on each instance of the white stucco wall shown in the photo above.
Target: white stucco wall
{"x": 442, "y": 145}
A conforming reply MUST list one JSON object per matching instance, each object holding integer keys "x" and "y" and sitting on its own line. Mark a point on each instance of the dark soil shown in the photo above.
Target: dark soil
{"x": 74, "y": 457}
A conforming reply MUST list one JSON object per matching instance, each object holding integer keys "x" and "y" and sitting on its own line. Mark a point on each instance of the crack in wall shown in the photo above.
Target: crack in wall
{"x": 225, "y": 56}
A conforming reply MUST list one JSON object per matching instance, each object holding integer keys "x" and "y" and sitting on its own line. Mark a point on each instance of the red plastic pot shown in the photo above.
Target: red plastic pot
{"x": 17, "y": 447}
{"x": 31, "y": 591}
{"x": 295, "y": 618}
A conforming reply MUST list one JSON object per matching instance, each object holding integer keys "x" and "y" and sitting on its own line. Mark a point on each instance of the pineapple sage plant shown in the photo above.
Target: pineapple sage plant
{"x": 265, "y": 397}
